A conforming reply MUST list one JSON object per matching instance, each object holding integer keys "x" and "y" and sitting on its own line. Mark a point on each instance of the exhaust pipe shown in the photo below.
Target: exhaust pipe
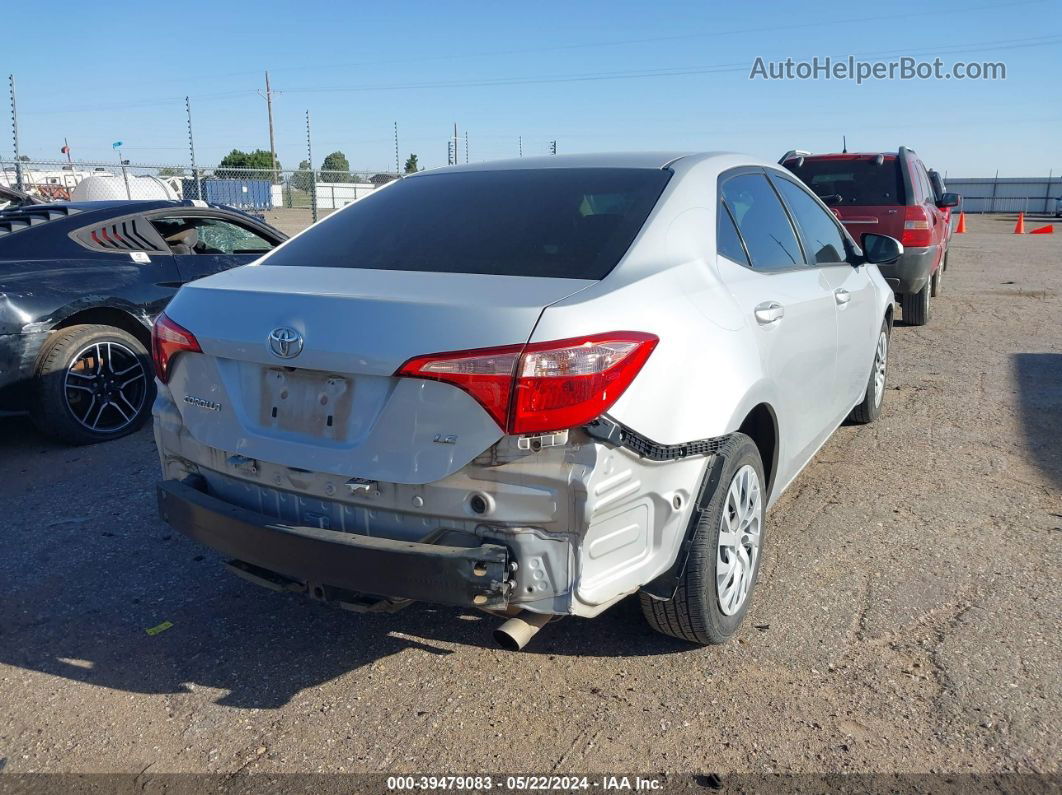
{"x": 514, "y": 634}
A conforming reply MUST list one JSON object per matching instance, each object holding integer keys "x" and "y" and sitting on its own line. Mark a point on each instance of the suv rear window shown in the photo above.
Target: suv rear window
{"x": 555, "y": 222}
{"x": 857, "y": 181}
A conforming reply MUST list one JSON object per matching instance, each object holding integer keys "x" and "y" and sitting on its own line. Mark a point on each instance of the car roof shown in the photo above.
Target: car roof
{"x": 650, "y": 160}
{"x": 130, "y": 205}
{"x": 606, "y": 160}
{"x": 841, "y": 155}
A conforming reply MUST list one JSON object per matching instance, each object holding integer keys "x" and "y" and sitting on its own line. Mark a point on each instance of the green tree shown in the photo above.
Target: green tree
{"x": 336, "y": 168}
{"x": 303, "y": 178}
{"x": 239, "y": 165}
{"x": 411, "y": 164}
{"x": 170, "y": 171}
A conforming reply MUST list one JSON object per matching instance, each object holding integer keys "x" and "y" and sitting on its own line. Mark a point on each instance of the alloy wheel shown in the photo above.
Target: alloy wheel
{"x": 105, "y": 386}
{"x": 739, "y": 540}
{"x": 881, "y": 363}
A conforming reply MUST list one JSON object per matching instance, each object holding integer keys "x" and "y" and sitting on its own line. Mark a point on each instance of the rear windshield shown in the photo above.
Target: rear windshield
{"x": 556, "y": 222}
{"x": 857, "y": 182}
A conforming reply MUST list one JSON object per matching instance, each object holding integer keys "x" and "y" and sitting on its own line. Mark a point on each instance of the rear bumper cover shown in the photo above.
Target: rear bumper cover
{"x": 912, "y": 270}
{"x": 464, "y": 576}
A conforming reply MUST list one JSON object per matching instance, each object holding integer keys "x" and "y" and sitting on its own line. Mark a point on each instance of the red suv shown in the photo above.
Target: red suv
{"x": 887, "y": 193}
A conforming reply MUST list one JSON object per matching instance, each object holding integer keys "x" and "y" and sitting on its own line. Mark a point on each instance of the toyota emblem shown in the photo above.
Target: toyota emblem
{"x": 285, "y": 342}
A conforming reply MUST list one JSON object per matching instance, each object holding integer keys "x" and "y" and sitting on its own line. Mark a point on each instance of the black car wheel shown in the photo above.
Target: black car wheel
{"x": 93, "y": 383}
{"x": 724, "y": 560}
{"x": 916, "y": 306}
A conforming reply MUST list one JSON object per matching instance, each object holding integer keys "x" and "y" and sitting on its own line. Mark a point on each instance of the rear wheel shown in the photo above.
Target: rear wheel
{"x": 916, "y": 306}
{"x": 938, "y": 277}
{"x": 92, "y": 383}
{"x": 870, "y": 407}
{"x": 724, "y": 559}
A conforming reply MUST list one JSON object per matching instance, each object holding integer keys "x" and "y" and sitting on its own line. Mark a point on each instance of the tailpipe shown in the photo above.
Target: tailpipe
{"x": 514, "y": 634}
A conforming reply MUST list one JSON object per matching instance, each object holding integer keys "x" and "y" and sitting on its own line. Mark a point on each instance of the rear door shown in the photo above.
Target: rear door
{"x": 938, "y": 220}
{"x": 203, "y": 244}
{"x": 789, "y": 305}
{"x": 853, "y": 292}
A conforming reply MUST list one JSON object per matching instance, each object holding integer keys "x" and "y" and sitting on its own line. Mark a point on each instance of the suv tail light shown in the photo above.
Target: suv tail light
{"x": 916, "y": 230}
{"x": 167, "y": 340}
{"x": 543, "y": 386}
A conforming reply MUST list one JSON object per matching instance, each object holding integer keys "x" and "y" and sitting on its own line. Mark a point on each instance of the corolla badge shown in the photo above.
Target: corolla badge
{"x": 203, "y": 403}
{"x": 285, "y": 342}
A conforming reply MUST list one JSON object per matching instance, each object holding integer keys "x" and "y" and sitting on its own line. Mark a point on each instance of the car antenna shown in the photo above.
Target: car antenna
{"x": 844, "y": 145}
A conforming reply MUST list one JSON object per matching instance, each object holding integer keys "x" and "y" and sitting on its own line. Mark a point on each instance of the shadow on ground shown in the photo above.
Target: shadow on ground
{"x": 1039, "y": 380}
{"x": 82, "y": 583}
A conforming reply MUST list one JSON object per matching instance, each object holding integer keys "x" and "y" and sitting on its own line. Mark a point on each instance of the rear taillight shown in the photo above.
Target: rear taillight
{"x": 167, "y": 340}
{"x": 543, "y": 386}
{"x": 916, "y": 231}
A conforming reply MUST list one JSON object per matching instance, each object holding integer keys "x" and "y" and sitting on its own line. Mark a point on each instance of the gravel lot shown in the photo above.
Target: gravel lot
{"x": 907, "y": 617}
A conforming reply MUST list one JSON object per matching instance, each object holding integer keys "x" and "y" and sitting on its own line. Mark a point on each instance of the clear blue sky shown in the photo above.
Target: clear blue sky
{"x": 595, "y": 76}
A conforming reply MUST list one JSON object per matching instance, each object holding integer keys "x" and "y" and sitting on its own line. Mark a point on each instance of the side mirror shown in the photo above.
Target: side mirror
{"x": 831, "y": 199}
{"x": 881, "y": 249}
{"x": 949, "y": 200}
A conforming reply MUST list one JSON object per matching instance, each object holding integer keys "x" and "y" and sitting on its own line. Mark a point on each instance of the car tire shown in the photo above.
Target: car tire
{"x": 698, "y": 612}
{"x": 92, "y": 384}
{"x": 936, "y": 284}
{"x": 869, "y": 409}
{"x": 916, "y": 306}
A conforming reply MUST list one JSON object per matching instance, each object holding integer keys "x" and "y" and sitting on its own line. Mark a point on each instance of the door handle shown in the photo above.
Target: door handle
{"x": 769, "y": 312}
{"x": 841, "y": 296}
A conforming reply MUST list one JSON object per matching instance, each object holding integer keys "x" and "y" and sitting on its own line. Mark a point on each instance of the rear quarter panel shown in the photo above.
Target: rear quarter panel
{"x": 46, "y": 292}
{"x": 706, "y": 372}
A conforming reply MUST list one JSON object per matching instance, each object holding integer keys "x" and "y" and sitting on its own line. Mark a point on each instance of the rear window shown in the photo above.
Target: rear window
{"x": 556, "y": 222}
{"x": 857, "y": 182}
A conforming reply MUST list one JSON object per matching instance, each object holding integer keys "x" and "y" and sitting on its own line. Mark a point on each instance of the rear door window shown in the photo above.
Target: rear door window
{"x": 857, "y": 181}
{"x": 553, "y": 222}
{"x": 202, "y": 235}
{"x": 762, "y": 221}
{"x": 728, "y": 242}
{"x": 822, "y": 235}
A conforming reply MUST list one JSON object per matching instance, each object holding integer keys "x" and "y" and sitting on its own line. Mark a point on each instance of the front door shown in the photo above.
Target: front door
{"x": 853, "y": 294}
{"x": 790, "y": 306}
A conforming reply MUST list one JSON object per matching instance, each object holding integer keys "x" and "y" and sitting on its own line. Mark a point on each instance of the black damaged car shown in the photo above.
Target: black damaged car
{"x": 80, "y": 285}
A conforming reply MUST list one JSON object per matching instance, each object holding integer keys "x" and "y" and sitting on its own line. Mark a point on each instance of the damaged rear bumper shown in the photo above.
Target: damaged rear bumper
{"x": 464, "y": 576}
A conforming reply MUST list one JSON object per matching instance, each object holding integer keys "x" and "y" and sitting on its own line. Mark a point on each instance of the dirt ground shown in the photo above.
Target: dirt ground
{"x": 907, "y": 616}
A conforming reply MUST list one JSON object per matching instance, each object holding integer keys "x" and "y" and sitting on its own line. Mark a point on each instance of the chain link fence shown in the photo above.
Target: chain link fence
{"x": 288, "y": 199}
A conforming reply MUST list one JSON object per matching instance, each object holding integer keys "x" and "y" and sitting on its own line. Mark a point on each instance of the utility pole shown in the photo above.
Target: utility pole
{"x": 553, "y": 147}
{"x": 272, "y": 139}
{"x": 520, "y": 145}
{"x": 466, "y": 146}
{"x": 14, "y": 134}
{"x": 398, "y": 168}
{"x": 453, "y": 158}
{"x": 117, "y": 146}
{"x": 313, "y": 175}
{"x": 191, "y": 146}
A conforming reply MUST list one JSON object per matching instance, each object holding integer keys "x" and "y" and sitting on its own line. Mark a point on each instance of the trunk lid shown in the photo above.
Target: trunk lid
{"x": 865, "y": 191}
{"x": 880, "y": 220}
{"x": 335, "y": 406}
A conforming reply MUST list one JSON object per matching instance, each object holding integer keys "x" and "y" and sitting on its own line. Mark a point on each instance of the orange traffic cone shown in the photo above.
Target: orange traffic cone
{"x": 961, "y": 228}
{"x": 1019, "y": 228}
{"x": 1043, "y": 230}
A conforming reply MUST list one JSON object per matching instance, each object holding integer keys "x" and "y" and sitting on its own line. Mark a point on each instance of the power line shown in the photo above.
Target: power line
{"x": 744, "y": 66}
{"x": 818, "y": 22}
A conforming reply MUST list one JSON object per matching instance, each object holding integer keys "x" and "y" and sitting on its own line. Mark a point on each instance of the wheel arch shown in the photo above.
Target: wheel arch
{"x": 761, "y": 425}
{"x": 108, "y": 316}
